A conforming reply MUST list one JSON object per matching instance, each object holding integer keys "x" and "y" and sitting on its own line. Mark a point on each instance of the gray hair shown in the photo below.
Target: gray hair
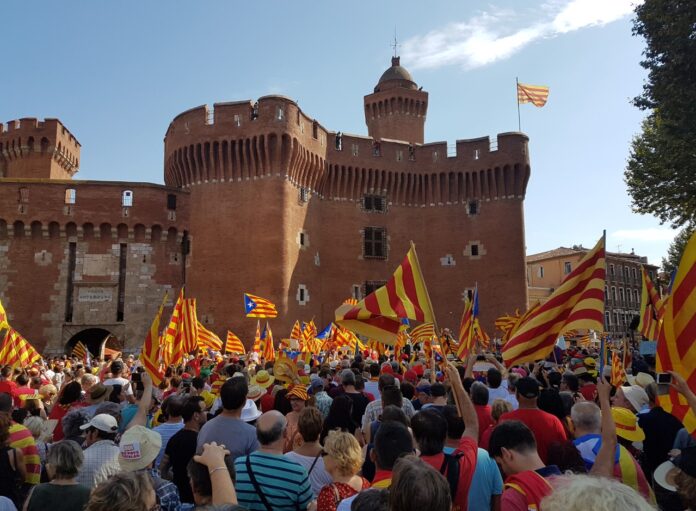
{"x": 586, "y": 416}
{"x": 109, "y": 408}
{"x": 347, "y": 377}
{"x": 65, "y": 458}
{"x": 479, "y": 393}
{"x": 272, "y": 434}
{"x": 72, "y": 421}
{"x": 89, "y": 379}
{"x": 579, "y": 492}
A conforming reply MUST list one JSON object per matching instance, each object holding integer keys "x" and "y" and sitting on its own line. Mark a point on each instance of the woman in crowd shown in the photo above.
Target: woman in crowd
{"x": 582, "y": 492}
{"x": 416, "y": 486}
{"x": 342, "y": 459}
{"x": 298, "y": 398}
{"x": 62, "y": 493}
{"x": 68, "y": 400}
{"x": 12, "y": 470}
{"x": 340, "y": 417}
{"x": 37, "y": 427}
{"x": 125, "y": 491}
{"x": 498, "y": 408}
{"x": 308, "y": 451}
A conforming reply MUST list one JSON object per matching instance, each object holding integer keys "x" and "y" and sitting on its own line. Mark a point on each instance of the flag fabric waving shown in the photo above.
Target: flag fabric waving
{"x": 618, "y": 375}
{"x": 535, "y": 94}
{"x": 80, "y": 350}
{"x": 296, "y": 331}
{"x": 267, "y": 348}
{"x": 150, "y": 354}
{"x": 257, "y": 307}
{"x": 676, "y": 350}
{"x": 171, "y": 338}
{"x": 466, "y": 326}
{"x": 256, "y": 347}
{"x": 577, "y": 303}
{"x": 16, "y": 350}
{"x": 651, "y": 308}
{"x": 422, "y": 332}
{"x": 379, "y": 314}
{"x": 207, "y": 339}
{"x": 234, "y": 344}
{"x": 189, "y": 326}
{"x": 3, "y": 318}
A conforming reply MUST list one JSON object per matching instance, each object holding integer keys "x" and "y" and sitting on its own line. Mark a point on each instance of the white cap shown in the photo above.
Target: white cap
{"x": 103, "y": 422}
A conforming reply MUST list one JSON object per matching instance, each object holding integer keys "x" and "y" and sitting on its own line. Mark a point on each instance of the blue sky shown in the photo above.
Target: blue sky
{"x": 117, "y": 72}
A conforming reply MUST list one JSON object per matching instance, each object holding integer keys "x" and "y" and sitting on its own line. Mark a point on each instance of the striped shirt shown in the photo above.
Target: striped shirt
{"x": 22, "y": 439}
{"x": 284, "y": 483}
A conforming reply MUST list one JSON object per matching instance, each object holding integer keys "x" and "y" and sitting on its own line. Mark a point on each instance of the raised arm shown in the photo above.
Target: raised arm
{"x": 464, "y": 405}
{"x": 140, "y": 417}
{"x": 213, "y": 457}
{"x": 679, "y": 383}
{"x": 604, "y": 463}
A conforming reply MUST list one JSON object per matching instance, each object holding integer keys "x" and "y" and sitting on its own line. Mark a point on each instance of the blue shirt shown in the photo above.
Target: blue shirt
{"x": 284, "y": 483}
{"x": 486, "y": 482}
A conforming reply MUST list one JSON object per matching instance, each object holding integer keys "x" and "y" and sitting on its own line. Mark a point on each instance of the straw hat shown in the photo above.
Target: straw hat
{"x": 138, "y": 448}
{"x": 255, "y": 392}
{"x": 263, "y": 379}
{"x": 627, "y": 425}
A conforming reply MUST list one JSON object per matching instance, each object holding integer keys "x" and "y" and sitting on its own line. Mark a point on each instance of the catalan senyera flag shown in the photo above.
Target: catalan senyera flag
{"x": 171, "y": 337}
{"x": 466, "y": 327}
{"x": 296, "y": 331}
{"x": 651, "y": 308}
{"x": 257, "y": 307}
{"x": 150, "y": 354}
{"x": 80, "y": 350}
{"x": 3, "y": 318}
{"x": 267, "y": 348}
{"x": 16, "y": 350}
{"x": 309, "y": 331}
{"x": 422, "y": 332}
{"x": 189, "y": 326}
{"x": 480, "y": 335}
{"x": 506, "y": 323}
{"x": 207, "y": 339}
{"x": 234, "y": 344}
{"x": 577, "y": 303}
{"x": 535, "y": 94}
{"x": 256, "y": 347}
{"x": 618, "y": 375}
{"x": 378, "y": 315}
{"x": 676, "y": 349}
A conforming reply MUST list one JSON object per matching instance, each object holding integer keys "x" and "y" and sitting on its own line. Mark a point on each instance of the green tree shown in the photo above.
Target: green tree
{"x": 661, "y": 170}
{"x": 676, "y": 249}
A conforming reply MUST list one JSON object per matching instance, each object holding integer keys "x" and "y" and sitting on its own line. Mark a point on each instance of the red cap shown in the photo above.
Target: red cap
{"x": 411, "y": 376}
{"x": 387, "y": 368}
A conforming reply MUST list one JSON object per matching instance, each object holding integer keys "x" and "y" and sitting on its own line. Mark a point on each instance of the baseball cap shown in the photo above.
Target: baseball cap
{"x": 138, "y": 448}
{"x": 528, "y": 387}
{"x": 423, "y": 388}
{"x": 102, "y": 422}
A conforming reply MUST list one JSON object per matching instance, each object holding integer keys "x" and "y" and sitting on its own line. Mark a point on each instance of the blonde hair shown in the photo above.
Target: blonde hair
{"x": 345, "y": 450}
{"x": 581, "y": 492}
{"x": 124, "y": 491}
{"x": 499, "y": 407}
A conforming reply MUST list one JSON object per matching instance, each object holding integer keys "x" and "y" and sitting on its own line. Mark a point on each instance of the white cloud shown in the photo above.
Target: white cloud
{"x": 652, "y": 234}
{"x": 483, "y": 39}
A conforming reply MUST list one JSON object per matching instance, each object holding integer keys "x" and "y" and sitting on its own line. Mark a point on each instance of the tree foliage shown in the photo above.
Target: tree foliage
{"x": 661, "y": 171}
{"x": 676, "y": 249}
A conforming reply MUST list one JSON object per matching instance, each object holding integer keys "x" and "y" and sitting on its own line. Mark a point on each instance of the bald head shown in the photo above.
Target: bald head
{"x": 270, "y": 427}
{"x": 587, "y": 418}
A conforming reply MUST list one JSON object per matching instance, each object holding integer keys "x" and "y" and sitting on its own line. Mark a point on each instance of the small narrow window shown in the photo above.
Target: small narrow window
{"x": 399, "y": 155}
{"x": 477, "y": 154}
{"x": 371, "y": 286}
{"x": 540, "y": 272}
{"x": 171, "y": 202}
{"x": 280, "y": 113}
{"x": 473, "y": 207}
{"x": 24, "y": 195}
{"x": 613, "y": 293}
{"x": 474, "y": 250}
{"x": 315, "y": 130}
{"x": 354, "y": 149}
{"x": 70, "y": 196}
{"x": 127, "y": 199}
{"x": 566, "y": 268}
{"x": 356, "y": 292}
{"x": 374, "y": 203}
{"x": 237, "y": 120}
{"x": 304, "y": 194}
{"x": 611, "y": 270}
{"x": 376, "y": 148}
{"x": 435, "y": 156}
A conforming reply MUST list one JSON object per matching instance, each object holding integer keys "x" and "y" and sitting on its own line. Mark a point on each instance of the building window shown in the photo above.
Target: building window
{"x": 171, "y": 202}
{"x": 435, "y": 156}
{"x": 354, "y": 149}
{"x": 613, "y": 293}
{"x": 540, "y": 272}
{"x": 606, "y": 293}
{"x": 651, "y": 274}
{"x": 356, "y": 294}
{"x": 280, "y": 113}
{"x": 616, "y": 319}
{"x": 23, "y": 195}
{"x": 237, "y": 120}
{"x": 375, "y": 243}
{"x": 374, "y": 203}
{"x": 303, "y": 239}
{"x": 637, "y": 296}
{"x": 611, "y": 270}
{"x": 621, "y": 295}
{"x": 371, "y": 286}
{"x": 473, "y": 207}
{"x": 302, "y": 294}
{"x": 566, "y": 268}
{"x": 607, "y": 320}
{"x": 70, "y": 196}
{"x": 635, "y": 273}
{"x": 376, "y": 148}
{"x": 315, "y": 130}
{"x": 127, "y": 199}
{"x": 474, "y": 250}
{"x": 304, "y": 194}
{"x": 399, "y": 155}
{"x": 477, "y": 154}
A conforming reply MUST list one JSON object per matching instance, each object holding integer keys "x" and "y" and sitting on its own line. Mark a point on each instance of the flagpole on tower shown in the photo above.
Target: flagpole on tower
{"x": 517, "y": 93}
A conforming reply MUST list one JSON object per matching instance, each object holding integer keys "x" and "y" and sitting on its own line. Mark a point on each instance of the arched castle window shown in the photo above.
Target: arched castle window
{"x": 70, "y": 196}
{"x": 127, "y": 198}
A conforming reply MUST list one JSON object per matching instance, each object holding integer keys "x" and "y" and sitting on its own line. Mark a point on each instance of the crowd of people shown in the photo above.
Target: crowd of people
{"x": 354, "y": 432}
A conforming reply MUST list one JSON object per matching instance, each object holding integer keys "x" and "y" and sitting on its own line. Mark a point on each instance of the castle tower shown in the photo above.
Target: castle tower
{"x": 30, "y": 148}
{"x": 396, "y": 109}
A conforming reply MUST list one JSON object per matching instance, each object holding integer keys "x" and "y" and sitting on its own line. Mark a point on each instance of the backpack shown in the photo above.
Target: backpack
{"x": 450, "y": 469}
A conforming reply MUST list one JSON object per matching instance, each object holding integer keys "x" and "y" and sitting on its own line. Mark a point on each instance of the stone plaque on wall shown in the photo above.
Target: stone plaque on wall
{"x": 95, "y": 294}
{"x": 99, "y": 264}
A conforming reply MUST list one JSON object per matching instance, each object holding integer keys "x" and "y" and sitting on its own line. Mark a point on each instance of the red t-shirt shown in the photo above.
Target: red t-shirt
{"x": 547, "y": 428}
{"x": 588, "y": 391}
{"x": 267, "y": 401}
{"x": 8, "y": 387}
{"x": 485, "y": 419}
{"x": 467, "y": 465}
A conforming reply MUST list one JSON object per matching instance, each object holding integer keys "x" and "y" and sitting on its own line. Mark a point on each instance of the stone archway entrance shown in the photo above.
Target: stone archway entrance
{"x": 93, "y": 338}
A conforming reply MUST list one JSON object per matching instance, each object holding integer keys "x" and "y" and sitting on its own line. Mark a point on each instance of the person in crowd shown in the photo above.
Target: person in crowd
{"x": 498, "y": 408}
{"x": 487, "y": 483}
{"x": 391, "y": 397}
{"x": 258, "y": 473}
{"x": 96, "y": 395}
{"x": 588, "y": 383}
{"x": 138, "y": 451}
{"x": 37, "y": 426}
{"x": 63, "y": 492}
{"x": 282, "y": 403}
{"x": 117, "y": 378}
{"x": 372, "y": 383}
{"x": 228, "y": 428}
{"x": 12, "y": 468}
{"x": 101, "y": 454}
{"x": 201, "y": 479}
{"x": 265, "y": 380}
{"x": 371, "y": 500}
{"x": 125, "y": 491}
{"x": 513, "y": 446}
{"x": 360, "y": 401}
{"x": 298, "y": 398}
{"x": 87, "y": 381}
{"x": 21, "y": 438}
{"x": 182, "y": 446}
{"x": 72, "y": 424}
{"x": 546, "y": 428}
{"x": 343, "y": 458}
{"x": 374, "y": 409}
{"x": 308, "y": 452}
{"x": 340, "y": 417}
{"x": 582, "y": 492}
{"x": 69, "y": 399}
{"x": 417, "y": 486}
{"x": 322, "y": 400}
{"x": 22, "y": 390}
{"x": 48, "y": 394}
{"x": 438, "y": 397}
{"x": 479, "y": 396}
{"x": 631, "y": 397}
{"x": 498, "y": 384}
{"x": 423, "y": 396}
{"x": 172, "y": 407}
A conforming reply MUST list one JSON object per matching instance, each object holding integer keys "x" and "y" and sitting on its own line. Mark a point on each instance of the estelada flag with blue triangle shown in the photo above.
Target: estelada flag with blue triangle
{"x": 257, "y": 307}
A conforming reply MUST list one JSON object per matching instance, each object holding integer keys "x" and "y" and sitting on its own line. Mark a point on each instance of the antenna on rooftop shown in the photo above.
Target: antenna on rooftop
{"x": 396, "y": 44}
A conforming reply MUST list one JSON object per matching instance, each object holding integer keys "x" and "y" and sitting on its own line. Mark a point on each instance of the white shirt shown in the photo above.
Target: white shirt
{"x": 122, "y": 382}
{"x": 502, "y": 392}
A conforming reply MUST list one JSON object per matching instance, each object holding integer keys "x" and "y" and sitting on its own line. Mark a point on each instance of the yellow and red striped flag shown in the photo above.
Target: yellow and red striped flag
{"x": 150, "y": 354}
{"x": 535, "y": 94}
{"x": 480, "y": 335}
{"x": 208, "y": 339}
{"x": 309, "y": 332}
{"x": 506, "y": 323}
{"x": 79, "y": 350}
{"x": 171, "y": 338}
{"x": 379, "y": 314}
{"x": 16, "y": 350}
{"x": 234, "y": 344}
{"x": 577, "y": 303}
{"x": 422, "y": 332}
{"x": 189, "y": 326}
{"x": 618, "y": 374}
{"x": 466, "y": 330}
{"x": 3, "y": 318}
{"x": 257, "y": 307}
{"x": 676, "y": 349}
{"x": 267, "y": 348}
{"x": 256, "y": 347}
{"x": 296, "y": 331}
{"x": 651, "y": 308}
